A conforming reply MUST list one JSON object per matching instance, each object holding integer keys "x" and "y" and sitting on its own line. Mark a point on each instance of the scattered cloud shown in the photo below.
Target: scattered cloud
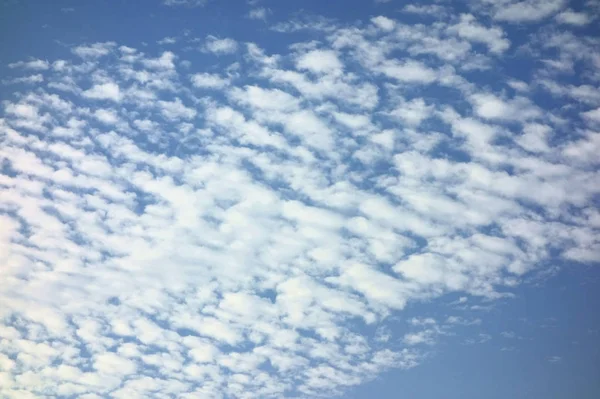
{"x": 527, "y": 11}
{"x": 252, "y": 229}
{"x": 468, "y": 28}
{"x": 259, "y": 13}
{"x": 220, "y": 46}
{"x": 570, "y": 17}
{"x": 35, "y": 64}
{"x": 209, "y": 81}
{"x": 185, "y": 3}
{"x": 104, "y": 91}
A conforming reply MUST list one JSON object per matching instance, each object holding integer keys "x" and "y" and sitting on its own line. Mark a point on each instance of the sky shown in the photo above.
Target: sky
{"x": 299, "y": 199}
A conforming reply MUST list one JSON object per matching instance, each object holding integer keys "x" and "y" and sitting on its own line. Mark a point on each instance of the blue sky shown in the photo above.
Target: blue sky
{"x": 255, "y": 199}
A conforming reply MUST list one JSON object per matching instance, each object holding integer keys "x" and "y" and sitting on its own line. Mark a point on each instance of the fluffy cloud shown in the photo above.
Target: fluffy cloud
{"x": 469, "y": 29}
{"x": 250, "y": 234}
{"x": 570, "y": 17}
{"x": 32, "y": 64}
{"x": 104, "y": 91}
{"x": 527, "y": 10}
{"x": 220, "y": 46}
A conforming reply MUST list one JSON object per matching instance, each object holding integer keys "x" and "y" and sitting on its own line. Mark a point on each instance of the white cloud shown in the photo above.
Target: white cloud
{"x": 31, "y": 79}
{"x": 592, "y": 115}
{"x": 384, "y": 23}
{"x": 167, "y": 40}
{"x": 489, "y": 106}
{"x": 208, "y": 81}
{"x": 259, "y": 13}
{"x": 468, "y": 28}
{"x": 111, "y": 363}
{"x": 106, "y": 116}
{"x": 535, "y": 137}
{"x": 37, "y": 64}
{"x": 185, "y": 3}
{"x": 527, "y": 10}
{"x": 408, "y": 71}
{"x": 570, "y": 17}
{"x": 220, "y": 46}
{"x": 412, "y": 112}
{"x": 95, "y": 50}
{"x": 429, "y": 9}
{"x": 104, "y": 91}
{"x": 260, "y": 239}
{"x": 174, "y": 110}
{"x": 164, "y": 62}
{"x": 320, "y": 61}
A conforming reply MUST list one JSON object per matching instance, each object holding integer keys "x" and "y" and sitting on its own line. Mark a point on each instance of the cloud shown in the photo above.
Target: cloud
{"x": 384, "y": 23}
{"x": 36, "y": 64}
{"x": 108, "y": 117}
{"x": 592, "y": 115}
{"x": 259, "y": 13}
{"x": 31, "y": 79}
{"x": 220, "y": 46}
{"x": 570, "y": 17}
{"x": 468, "y": 28}
{"x": 408, "y": 71}
{"x": 526, "y": 11}
{"x": 167, "y": 40}
{"x": 429, "y": 9}
{"x": 258, "y": 232}
{"x": 489, "y": 106}
{"x": 320, "y": 61}
{"x": 173, "y": 110}
{"x": 104, "y": 91}
{"x": 209, "y": 81}
{"x": 185, "y": 3}
{"x": 95, "y": 50}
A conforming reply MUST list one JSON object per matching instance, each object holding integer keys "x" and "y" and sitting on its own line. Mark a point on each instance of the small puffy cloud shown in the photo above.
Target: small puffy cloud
{"x": 489, "y": 106}
{"x": 570, "y": 17}
{"x": 412, "y": 112}
{"x": 173, "y": 110}
{"x": 468, "y": 28}
{"x": 220, "y": 46}
{"x": 584, "y": 150}
{"x": 384, "y": 23}
{"x": 95, "y": 50}
{"x": 185, "y": 3}
{"x": 31, "y": 79}
{"x": 164, "y": 62}
{"x": 527, "y": 10}
{"x": 104, "y": 91}
{"x": 208, "y": 81}
{"x": 427, "y": 9}
{"x": 592, "y": 115}
{"x": 535, "y": 137}
{"x": 111, "y": 363}
{"x": 518, "y": 85}
{"x": 106, "y": 116}
{"x": 38, "y": 65}
{"x": 320, "y": 61}
{"x": 258, "y": 13}
{"x": 265, "y": 99}
{"x": 408, "y": 71}
{"x": 167, "y": 40}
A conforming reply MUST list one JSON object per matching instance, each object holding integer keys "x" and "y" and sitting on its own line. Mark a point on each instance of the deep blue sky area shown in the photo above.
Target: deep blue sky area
{"x": 271, "y": 199}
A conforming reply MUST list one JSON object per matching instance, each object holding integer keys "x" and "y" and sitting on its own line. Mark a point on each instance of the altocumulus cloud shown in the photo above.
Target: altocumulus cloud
{"x": 169, "y": 231}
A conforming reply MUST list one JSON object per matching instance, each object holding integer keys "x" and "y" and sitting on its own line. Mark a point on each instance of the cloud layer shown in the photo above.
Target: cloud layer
{"x": 247, "y": 233}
